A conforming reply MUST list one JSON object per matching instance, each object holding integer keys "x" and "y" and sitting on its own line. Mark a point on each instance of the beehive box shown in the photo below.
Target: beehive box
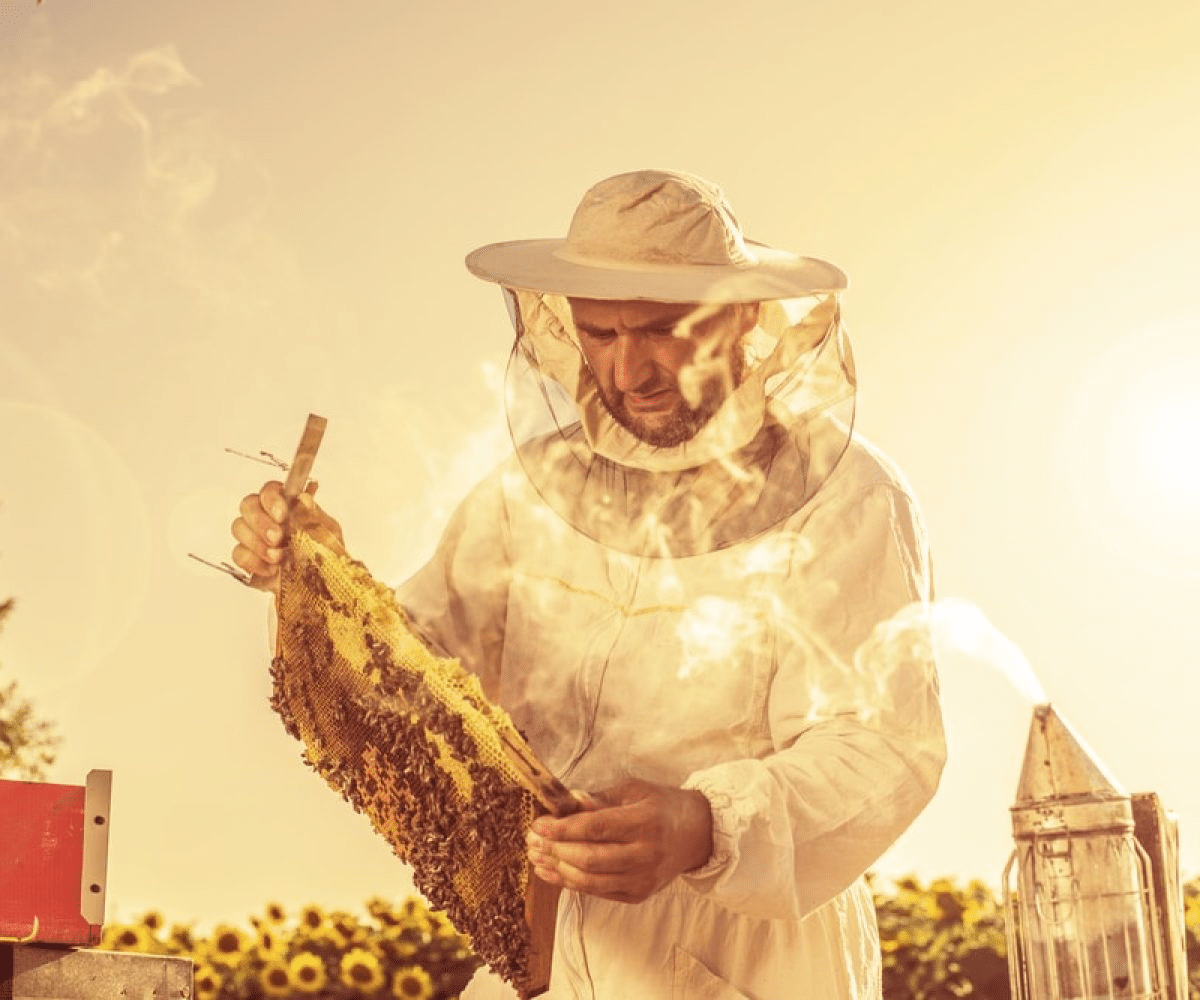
{"x": 32, "y": 972}
{"x": 54, "y": 860}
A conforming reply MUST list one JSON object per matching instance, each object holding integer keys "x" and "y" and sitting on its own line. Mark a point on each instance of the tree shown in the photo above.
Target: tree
{"x": 27, "y": 743}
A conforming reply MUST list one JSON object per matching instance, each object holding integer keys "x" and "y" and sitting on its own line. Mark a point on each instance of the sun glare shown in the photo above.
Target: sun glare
{"x": 1162, "y": 441}
{"x": 1136, "y": 444}
{"x": 1151, "y": 446}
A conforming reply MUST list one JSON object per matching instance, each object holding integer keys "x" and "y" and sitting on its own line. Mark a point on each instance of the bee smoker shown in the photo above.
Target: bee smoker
{"x": 1092, "y": 892}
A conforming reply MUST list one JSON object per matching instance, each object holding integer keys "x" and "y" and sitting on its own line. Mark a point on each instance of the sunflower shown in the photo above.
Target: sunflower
{"x": 348, "y": 927}
{"x": 128, "y": 937}
{"x": 413, "y": 906}
{"x": 153, "y": 920}
{"x": 416, "y": 919}
{"x": 329, "y": 935}
{"x": 360, "y": 970}
{"x": 308, "y": 972}
{"x": 275, "y": 912}
{"x": 412, "y": 983}
{"x": 227, "y": 944}
{"x": 382, "y": 911}
{"x": 267, "y": 944}
{"x": 403, "y": 942}
{"x": 275, "y": 979}
{"x": 441, "y": 926}
{"x": 206, "y": 982}
{"x": 311, "y": 917}
{"x": 181, "y": 938}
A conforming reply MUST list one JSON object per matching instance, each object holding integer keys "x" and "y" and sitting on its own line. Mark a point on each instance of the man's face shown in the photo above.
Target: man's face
{"x": 662, "y": 368}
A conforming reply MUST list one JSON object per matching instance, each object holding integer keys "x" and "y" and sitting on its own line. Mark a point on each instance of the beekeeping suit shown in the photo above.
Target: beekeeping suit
{"x": 739, "y": 614}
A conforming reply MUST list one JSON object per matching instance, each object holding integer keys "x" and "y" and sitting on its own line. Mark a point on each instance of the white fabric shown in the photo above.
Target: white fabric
{"x": 661, "y": 235}
{"x": 788, "y": 677}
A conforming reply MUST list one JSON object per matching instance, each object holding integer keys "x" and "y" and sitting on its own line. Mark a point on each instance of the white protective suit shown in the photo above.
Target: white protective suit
{"x": 765, "y": 646}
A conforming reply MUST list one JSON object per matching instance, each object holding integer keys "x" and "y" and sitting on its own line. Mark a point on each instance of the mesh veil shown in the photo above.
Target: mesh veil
{"x": 761, "y": 457}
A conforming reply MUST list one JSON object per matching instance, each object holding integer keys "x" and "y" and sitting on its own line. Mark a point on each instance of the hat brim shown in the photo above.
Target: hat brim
{"x": 541, "y": 266}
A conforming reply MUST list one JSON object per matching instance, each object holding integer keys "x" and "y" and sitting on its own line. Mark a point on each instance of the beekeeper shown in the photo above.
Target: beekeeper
{"x": 700, "y": 596}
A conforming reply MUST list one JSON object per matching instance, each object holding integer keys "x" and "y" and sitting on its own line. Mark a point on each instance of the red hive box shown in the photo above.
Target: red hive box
{"x": 54, "y": 860}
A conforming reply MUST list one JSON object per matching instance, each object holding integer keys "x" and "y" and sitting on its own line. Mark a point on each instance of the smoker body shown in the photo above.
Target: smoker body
{"x": 1086, "y": 916}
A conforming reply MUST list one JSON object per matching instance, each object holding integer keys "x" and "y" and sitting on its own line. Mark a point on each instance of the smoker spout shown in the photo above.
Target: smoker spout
{"x": 1063, "y": 786}
{"x": 1059, "y": 765}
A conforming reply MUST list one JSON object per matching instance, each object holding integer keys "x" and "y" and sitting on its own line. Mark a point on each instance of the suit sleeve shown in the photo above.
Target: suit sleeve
{"x": 854, "y": 714}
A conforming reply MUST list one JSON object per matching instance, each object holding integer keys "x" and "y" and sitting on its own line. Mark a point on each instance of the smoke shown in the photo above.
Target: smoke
{"x": 986, "y": 687}
{"x": 961, "y": 629}
{"x": 712, "y": 629}
{"x": 117, "y": 190}
{"x": 409, "y": 463}
{"x": 134, "y": 260}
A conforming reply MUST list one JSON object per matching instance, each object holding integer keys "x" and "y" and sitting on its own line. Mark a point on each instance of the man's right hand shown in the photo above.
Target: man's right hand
{"x": 261, "y": 528}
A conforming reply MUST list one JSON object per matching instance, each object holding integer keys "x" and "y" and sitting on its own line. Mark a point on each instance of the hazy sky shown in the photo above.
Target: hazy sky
{"x": 216, "y": 218}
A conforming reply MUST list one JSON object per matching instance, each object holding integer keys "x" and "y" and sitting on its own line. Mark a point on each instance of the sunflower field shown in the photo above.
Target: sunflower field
{"x": 408, "y": 952}
{"x": 940, "y": 941}
{"x": 945, "y": 941}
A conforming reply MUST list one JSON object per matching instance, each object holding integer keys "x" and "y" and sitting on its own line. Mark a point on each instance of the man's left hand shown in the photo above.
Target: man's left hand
{"x": 627, "y": 843}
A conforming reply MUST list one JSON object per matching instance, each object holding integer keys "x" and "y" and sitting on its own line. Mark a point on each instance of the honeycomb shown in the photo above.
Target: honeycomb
{"x": 410, "y": 740}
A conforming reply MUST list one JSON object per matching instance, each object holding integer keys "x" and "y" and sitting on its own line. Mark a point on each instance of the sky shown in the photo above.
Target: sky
{"x": 217, "y": 218}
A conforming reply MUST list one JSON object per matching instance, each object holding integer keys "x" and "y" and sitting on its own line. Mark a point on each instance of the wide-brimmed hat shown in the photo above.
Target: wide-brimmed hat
{"x": 660, "y": 235}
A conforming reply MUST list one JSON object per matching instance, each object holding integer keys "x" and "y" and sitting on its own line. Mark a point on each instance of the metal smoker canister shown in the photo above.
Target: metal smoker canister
{"x": 1081, "y": 916}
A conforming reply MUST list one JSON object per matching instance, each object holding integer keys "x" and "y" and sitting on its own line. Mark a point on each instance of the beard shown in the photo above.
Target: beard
{"x": 681, "y": 425}
{"x": 685, "y": 421}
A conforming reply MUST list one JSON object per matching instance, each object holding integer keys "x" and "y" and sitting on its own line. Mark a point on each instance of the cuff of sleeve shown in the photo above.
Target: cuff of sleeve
{"x": 729, "y": 821}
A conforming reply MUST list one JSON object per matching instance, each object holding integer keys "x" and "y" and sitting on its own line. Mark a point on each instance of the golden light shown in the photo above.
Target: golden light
{"x": 1153, "y": 444}
{"x": 1133, "y": 441}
